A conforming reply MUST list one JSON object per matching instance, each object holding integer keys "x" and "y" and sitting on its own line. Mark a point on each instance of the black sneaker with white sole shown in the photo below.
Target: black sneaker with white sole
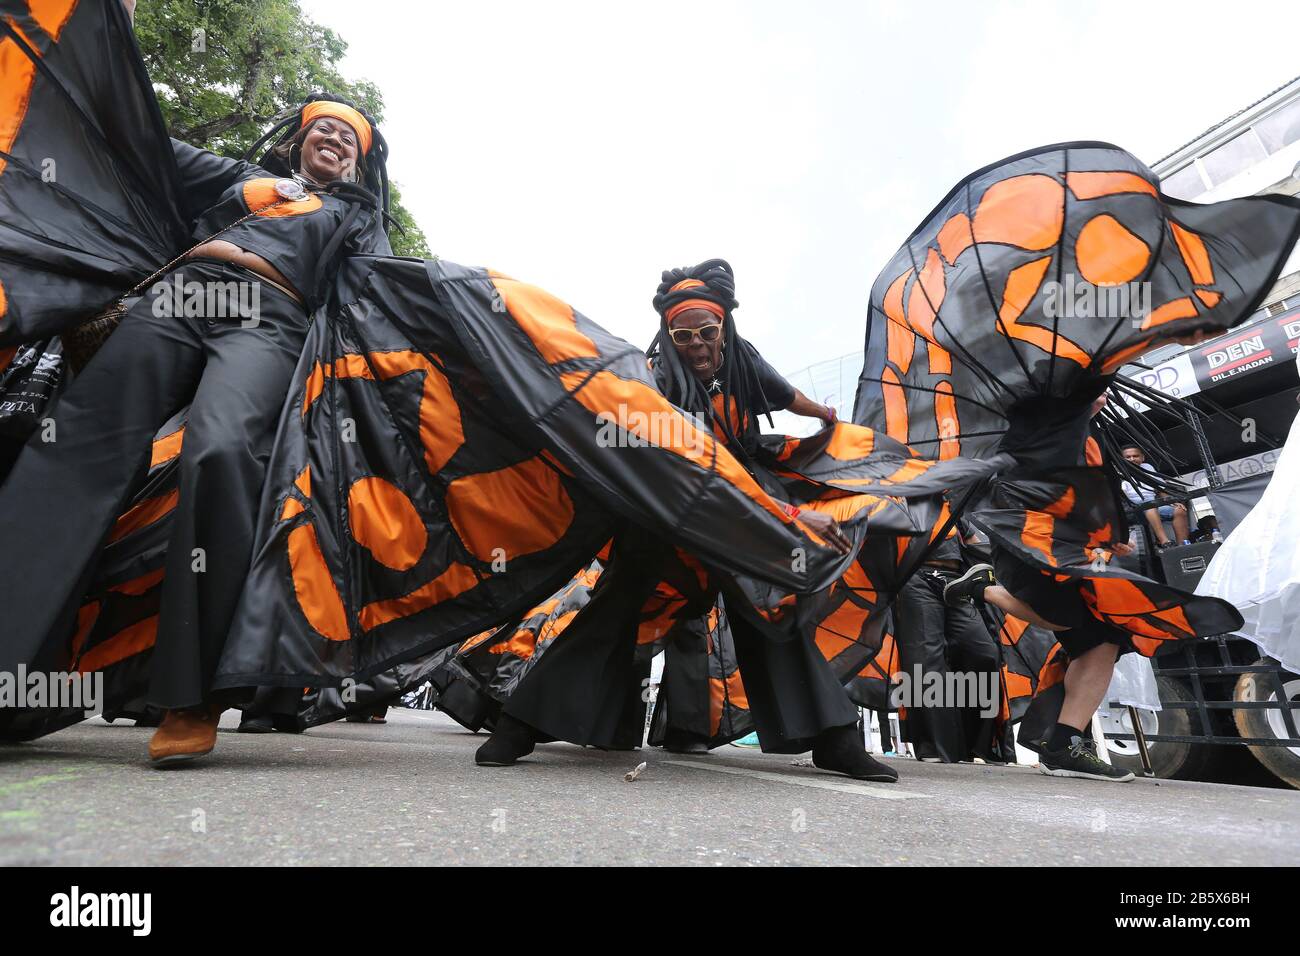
{"x": 1079, "y": 759}
{"x": 969, "y": 587}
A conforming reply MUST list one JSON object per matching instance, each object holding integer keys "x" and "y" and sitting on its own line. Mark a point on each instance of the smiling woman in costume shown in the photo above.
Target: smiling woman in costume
{"x": 221, "y": 331}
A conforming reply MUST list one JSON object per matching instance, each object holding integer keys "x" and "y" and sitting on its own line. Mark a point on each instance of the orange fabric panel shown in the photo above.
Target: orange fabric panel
{"x": 441, "y": 429}
{"x": 945, "y": 419}
{"x": 1062, "y": 506}
{"x": 1094, "y": 185}
{"x": 292, "y": 508}
{"x": 16, "y": 75}
{"x": 1183, "y": 308}
{"x": 144, "y": 514}
{"x": 1194, "y": 254}
{"x": 546, "y": 320}
{"x": 1209, "y": 297}
{"x": 901, "y": 344}
{"x": 386, "y": 523}
{"x": 955, "y": 237}
{"x": 940, "y": 520}
{"x": 1037, "y": 534}
{"x": 166, "y": 448}
{"x": 312, "y": 388}
{"x": 1017, "y": 685}
{"x": 720, "y": 691}
{"x": 908, "y": 470}
{"x": 87, "y": 615}
{"x": 125, "y": 643}
{"x": 1124, "y": 354}
{"x": 1120, "y": 596}
{"x": 52, "y": 15}
{"x": 456, "y": 580}
{"x": 850, "y": 442}
{"x": 137, "y": 586}
{"x": 475, "y": 641}
{"x": 1013, "y": 628}
{"x": 896, "y": 425}
{"x": 845, "y": 508}
{"x": 1092, "y": 453}
{"x": 731, "y": 416}
{"x": 840, "y": 630}
{"x": 940, "y": 359}
{"x": 303, "y": 482}
{"x": 517, "y": 510}
{"x": 1177, "y": 617}
{"x": 856, "y": 578}
{"x": 318, "y": 595}
{"x": 260, "y": 197}
{"x": 926, "y": 297}
{"x": 1052, "y": 672}
{"x": 1024, "y": 211}
{"x": 1099, "y": 536}
{"x": 521, "y": 643}
{"x": 893, "y": 301}
{"x": 1022, "y": 285}
{"x": 604, "y": 393}
{"x": 1108, "y": 253}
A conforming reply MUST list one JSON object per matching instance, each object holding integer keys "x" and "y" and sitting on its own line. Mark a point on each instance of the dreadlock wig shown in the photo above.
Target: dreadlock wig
{"x": 711, "y": 285}
{"x": 289, "y": 132}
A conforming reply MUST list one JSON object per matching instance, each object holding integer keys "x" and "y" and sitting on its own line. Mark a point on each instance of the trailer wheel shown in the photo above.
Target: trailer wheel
{"x": 1282, "y": 762}
{"x": 1169, "y": 761}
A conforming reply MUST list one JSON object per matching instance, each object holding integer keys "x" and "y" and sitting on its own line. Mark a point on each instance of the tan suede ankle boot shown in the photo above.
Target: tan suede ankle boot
{"x": 184, "y": 735}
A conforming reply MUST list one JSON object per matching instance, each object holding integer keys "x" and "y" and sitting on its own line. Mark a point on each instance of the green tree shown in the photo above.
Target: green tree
{"x": 224, "y": 70}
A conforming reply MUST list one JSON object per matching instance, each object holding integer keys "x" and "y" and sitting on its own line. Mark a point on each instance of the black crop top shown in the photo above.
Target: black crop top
{"x": 291, "y": 236}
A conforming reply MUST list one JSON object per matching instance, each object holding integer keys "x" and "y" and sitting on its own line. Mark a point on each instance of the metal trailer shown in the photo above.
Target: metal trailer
{"x": 1220, "y": 698}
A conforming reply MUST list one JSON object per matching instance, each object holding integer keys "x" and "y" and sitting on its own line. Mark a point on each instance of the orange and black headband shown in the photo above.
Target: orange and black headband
{"x": 340, "y": 111}
{"x": 682, "y": 306}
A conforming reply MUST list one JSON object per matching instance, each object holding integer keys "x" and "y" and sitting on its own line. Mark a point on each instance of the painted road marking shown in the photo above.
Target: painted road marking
{"x": 861, "y": 789}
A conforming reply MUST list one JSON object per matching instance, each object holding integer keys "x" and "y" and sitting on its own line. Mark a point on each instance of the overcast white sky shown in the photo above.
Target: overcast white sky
{"x": 585, "y": 147}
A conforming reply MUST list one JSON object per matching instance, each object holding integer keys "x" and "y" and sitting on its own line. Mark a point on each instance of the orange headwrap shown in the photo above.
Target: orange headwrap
{"x": 343, "y": 112}
{"x": 686, "y": 304}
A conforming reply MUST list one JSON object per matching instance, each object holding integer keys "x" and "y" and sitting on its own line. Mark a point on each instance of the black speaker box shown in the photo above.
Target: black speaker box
{"x": 1184, "y": 564}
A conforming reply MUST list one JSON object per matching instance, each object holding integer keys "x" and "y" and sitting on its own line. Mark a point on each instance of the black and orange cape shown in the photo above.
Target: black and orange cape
{"x": 1007, "y": 310}
{"x": 443, "y": 461}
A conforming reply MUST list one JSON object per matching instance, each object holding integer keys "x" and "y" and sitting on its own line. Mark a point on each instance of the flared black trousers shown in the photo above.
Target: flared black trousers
{"x": 583, "y": 688}
{"x": 223, "y": 343}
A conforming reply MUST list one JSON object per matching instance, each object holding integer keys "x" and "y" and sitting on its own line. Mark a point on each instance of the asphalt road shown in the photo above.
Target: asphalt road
{"x": 408, "y": 793}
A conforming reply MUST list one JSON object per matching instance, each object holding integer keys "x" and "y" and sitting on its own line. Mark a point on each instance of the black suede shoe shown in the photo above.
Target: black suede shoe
{"x": 969, "y": 586}
{"x": 256, "y": 725}
{"x": 840, "y": 749}
{"x": 510, "y": 740}
{"x": 685, "y": 742}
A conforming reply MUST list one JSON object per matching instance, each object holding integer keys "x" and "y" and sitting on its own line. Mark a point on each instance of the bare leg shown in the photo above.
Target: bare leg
{"x": 1182, "y": 530}
{"x": 1086, "y": 681}
{"x": 1004, "y": 600}
{"x": 1157, "y": 526}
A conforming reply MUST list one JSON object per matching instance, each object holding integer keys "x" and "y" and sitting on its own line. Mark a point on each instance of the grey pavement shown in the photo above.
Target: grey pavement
{"x": 408, "y": 793}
